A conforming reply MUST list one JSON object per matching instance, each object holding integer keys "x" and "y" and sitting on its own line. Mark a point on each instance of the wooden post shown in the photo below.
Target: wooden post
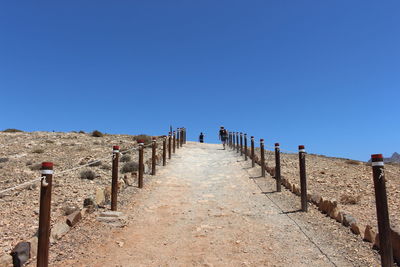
{"x": 173, "y": 142}
{"x": 153, "y": 156}
{"x": 241, "y": 144}
{"x": 262, "y": 157}
{"x": 278, "y": 167}
{"x": 164, "y": 151}
{"x": 245, "y": 146}
{"x": 141, "y": 165}
{"x": 253, "y": 163}
{"x": 237, "y": 142}
{"x": 44, "y": 215}
{"x": 178, "y": 138}
{"x": 303, "y": 178}
{"x": 169, "y": 145}
{"x": 385, "y": 242}
{"x": 114, "y": 179}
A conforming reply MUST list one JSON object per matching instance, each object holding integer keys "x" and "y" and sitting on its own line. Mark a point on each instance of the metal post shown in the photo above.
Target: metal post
{"x": 237, "y": 142}
{"x": 385, "y": 242}
{"x": 262, "y": 156}
{"x": 245, "y": 146}
{"x": 153, "y": 156}
{"x": 241, "y": 144}
{"x": 44, "y": 214}
{"x": 253, "y": 163}
{"x": 303, "y": 178}
{"x": 169, "y": 145}
{"x": 114, "y": 179}
{"x": 173, "y": 142}
{"x": 164, "y": 151}
{"x": 278, "y": 167}
{"x": 141, "y": 165}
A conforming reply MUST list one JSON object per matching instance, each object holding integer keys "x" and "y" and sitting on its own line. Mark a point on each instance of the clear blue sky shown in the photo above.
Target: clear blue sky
{"x": 325, "y": 74}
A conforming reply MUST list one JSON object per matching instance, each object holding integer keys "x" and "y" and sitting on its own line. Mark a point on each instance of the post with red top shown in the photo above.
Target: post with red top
{"x": 44, "y": 215}
{"x": 385, "y": 242}
{"x": 173, "y": 142}
{"x": 262, "y": 157}
{"x": 303, "y": 178}
{"x": 153, "y": 156}
{"x": 278, "y": 167}
{"x": 169, "y": 145}
{"x": 245, "y": 146}
{"x": 253, "y": 163}
{"x": 114, "y": 179}
{"x": 164, "y": 151}
{"x": 237, "y": 142}
{"x": 241, "y": 144}
{"x": 141, "y": 165}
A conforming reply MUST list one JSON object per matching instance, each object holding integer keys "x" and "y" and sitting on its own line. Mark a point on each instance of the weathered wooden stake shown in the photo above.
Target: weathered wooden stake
{"x": 153, "y": 156}
{"x": 245, "y": 146}
{"x": 241, "y": 144}
{"x": 237, "y": 142}
{"x": 253, "y": 163}
{"x": 262, "y": 157}
{"x": 278, "y": 167}
{"x": 44, "y": 215}
{"x": 303, "y": 178}
{"x": 173, "y": 141}
{"x": 385, "y": 242}
{"x": 164, "y": 151}
{"x": 114, "y": 179}
{"x": 177, "y": 138}
{"x": 169, "y": 145}
{"x": 141, "y": 165}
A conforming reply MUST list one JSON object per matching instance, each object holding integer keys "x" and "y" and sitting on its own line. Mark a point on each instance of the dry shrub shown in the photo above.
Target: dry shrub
{"x": 125, "y": 158}
{"x": 349, "y": 199}
{"x": 2, "y": 160}
{"x": 146, "y": 138}
{"x": 88, "y": 174}
{"x": 38, "y": 151}
{"x": 35, "y": 167}
{"x": 12, "y": 131}
{"x": 94, "y": 163}
{"x": 96, "y": 133}
{"x": 130, "y": 167}
{"x": 353, "y": 162}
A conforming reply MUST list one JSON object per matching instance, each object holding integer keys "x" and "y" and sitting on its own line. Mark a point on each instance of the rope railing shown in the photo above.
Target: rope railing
{"x": 46, "y": 180}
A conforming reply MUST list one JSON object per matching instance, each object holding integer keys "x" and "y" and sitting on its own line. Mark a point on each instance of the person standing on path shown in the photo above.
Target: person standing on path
{"x": 223, "y": 134}
{"x": 201, "y": 137}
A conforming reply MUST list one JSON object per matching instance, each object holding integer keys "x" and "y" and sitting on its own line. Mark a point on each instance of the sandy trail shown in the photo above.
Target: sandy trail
{"x": 203, "y": 210}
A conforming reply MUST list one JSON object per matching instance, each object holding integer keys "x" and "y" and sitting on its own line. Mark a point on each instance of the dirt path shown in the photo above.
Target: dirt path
{"x": 203, "y": 210}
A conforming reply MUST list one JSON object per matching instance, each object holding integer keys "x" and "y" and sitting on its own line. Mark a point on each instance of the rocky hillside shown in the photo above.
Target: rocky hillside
{"x": 20, "y": 157}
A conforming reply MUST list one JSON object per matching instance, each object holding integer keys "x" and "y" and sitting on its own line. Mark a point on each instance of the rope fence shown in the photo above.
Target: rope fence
{"x": 387, "y": 240}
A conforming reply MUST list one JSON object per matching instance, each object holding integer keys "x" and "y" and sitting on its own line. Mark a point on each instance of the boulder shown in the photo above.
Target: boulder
{"x": 21, "y": 253}
{"x": 121, "y": 185}
{"x": 107, "y": 194}
{"x": 348, "y": 220}
{"x": 34, "y": 244}
{"x": 6, "y": 260}
{"x": 334, "y": 213}
{"x": 355, "y": 228}
{"x": 69, "y": 209}
{"x": 130, "y": 180}
{"x": 100, "y": 198}
{"x": 59, "y": 230}
{"x": 339, "y": 217}
{"x": 89, "y": 202}
{"x": 395, "y": 236}
{"x": 369, "y": 234}
{"x": 74, "y": 218}
{"x": 316, "y": 199}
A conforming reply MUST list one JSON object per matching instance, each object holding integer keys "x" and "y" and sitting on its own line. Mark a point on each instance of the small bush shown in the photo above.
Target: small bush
{"x": 38, "y": 151}
{"x": 81, "y": 132}
{"x": 49, "y": 141}
{"x": 125, "y": 158}
{"x": 35, "y": 167}
{"x": 349, "y": 199}
{"x": 96, "y": 133}
{"x": 88, "y": 174}
{"x": 353, "y": 162}
{"x": 2, "y": 160}
{"x": 130, "y": 167}
{"x": 94, "y": 163}
{"x": 12, "y": 131}
{"x": 106, "y": 167}
{"x": 146, "y": 138}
